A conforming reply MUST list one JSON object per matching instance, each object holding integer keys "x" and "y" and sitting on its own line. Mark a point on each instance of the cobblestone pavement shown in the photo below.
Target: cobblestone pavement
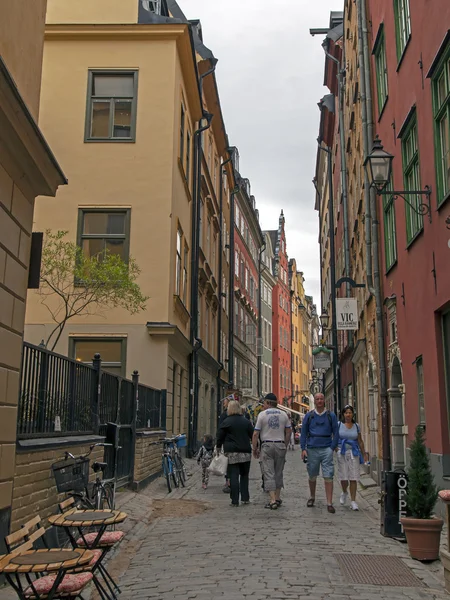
{"x": 251, "y": 552}
{"x": 192, "y": 544}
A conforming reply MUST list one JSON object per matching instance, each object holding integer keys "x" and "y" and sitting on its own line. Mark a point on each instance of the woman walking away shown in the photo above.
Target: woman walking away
{"x": 205, "y": 456}
{"x": 350, "y": 455}
{"x": 234, "y": 435}
{"x": 292, "y": 438}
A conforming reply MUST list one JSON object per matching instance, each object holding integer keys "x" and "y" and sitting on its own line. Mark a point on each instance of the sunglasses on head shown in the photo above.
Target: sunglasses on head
{"x": 349, "y": 406}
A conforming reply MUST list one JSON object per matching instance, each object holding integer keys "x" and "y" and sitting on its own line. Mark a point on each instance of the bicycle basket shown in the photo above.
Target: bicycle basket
{"x": 181, "y": 441}
{"x": 71, "y": 475}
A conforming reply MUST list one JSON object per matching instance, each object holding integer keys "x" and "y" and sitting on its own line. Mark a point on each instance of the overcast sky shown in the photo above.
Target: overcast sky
{"x": 270, "y": 78}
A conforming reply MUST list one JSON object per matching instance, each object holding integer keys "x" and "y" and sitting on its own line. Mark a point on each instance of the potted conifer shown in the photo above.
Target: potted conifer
{"x": 421, "y": 527}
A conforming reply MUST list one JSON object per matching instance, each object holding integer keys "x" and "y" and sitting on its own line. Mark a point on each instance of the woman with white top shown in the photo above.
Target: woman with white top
{"x": 350, "y": 455}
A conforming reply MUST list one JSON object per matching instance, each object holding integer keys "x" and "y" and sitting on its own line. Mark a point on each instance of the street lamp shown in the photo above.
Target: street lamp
{"x": 324, "y": 319}
{"x": 378, "y": 165}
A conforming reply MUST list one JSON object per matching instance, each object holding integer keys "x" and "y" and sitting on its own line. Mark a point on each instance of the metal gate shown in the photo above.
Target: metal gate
{"x": 118, "y": 424}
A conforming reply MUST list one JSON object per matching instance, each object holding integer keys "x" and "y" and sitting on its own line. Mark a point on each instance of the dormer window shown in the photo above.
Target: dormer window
{"x": 152, "y": 6}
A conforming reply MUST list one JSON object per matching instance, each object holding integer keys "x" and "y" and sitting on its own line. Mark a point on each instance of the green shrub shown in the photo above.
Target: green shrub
{"x": 422, "y": 492}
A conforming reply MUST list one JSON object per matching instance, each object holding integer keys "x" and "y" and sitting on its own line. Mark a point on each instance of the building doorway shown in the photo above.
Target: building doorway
{"x": 397, "y": 404}
{"x": 373, "y": 416}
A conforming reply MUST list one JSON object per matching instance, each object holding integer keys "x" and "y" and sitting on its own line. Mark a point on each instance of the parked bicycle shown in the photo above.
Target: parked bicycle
{"x": 72, "y": 477}
{"x": 173, "y": 466}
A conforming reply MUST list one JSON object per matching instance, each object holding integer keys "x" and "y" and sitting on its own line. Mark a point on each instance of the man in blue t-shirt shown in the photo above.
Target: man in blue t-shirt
{"x": 318, "y": 440}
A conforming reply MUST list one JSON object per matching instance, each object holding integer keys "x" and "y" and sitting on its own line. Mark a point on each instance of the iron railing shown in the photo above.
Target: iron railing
{"x": 61, "y": 396}
{"x": 55, "y": 394}
{"x": 151, "y": 413}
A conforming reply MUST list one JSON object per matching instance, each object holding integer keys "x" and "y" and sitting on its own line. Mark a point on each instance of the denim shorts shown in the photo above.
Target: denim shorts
{"x": 317, "y": 457}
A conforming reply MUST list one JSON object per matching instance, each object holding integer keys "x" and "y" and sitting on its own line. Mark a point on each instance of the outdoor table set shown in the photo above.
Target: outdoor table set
{"x": 53, "y": 573}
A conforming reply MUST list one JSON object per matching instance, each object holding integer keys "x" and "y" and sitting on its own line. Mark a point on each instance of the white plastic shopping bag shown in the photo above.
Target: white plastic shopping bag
{"x": 219, "y": 465}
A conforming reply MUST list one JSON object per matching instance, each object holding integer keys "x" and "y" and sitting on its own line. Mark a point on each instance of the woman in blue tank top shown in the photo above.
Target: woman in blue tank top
{"x": 350, "y": 455}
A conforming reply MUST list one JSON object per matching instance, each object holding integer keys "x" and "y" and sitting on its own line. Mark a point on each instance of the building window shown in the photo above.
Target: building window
{"x": 185, "y": 275}
{"x": 207, "y": 327}
{"x": 210, "y": 145}
{"x": 188, "y": 157}
{"x": 296, "y": 363}
{"x": 104, "y": 231}
{"x": 236, "y": 263}
{"x": 411, "y": 178}
{"x": 178, "y": 263}
{"x": 441, "y": 112}
{"x": 402, "y": 25}
{"x": 270, "y": 336}
{"x": 112, "y": 351}
{"x": 446, "y": 343}
{"x": 270, "y": 378}
{"x": 111, "y": 109}
{"x": 420, "y": 390}
{"x": 390, "y": 240}
{"x": 381, "y": 70}
{"x": 182, "y": 125}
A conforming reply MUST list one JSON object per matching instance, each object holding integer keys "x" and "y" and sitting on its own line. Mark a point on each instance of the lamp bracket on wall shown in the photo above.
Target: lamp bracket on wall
{"x": 350, "y": 281}
{"x": 424, "y": 208}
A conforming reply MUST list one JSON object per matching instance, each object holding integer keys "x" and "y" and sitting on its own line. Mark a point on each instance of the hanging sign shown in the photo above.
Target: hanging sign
{"x": 322, "y": 359}
{"x": 346, "y": 313}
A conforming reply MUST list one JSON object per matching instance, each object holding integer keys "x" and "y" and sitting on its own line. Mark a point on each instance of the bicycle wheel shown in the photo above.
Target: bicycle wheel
{"x": 174, "y": 474}
{"x": 179, "y": 466}
{"x": 109, "y": 495}
{"x": 103, "y": 496}
{"x": 166, "y": 471}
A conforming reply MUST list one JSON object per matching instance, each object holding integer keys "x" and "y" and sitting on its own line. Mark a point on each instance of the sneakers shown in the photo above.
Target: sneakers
{"x": 204, "y": 486}
{"x": 343, "y": 498}
{"x": 354, "y": 506}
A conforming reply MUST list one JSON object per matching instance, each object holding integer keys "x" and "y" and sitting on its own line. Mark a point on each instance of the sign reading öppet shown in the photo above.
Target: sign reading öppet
{"x": 347, "y": 313}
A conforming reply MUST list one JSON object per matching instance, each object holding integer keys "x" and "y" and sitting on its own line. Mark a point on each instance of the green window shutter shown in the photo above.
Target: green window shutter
{"x": 440, "y": 86}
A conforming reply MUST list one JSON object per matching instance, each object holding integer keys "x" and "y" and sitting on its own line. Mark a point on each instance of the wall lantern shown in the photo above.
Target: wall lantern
{"x": 378, "y": 165}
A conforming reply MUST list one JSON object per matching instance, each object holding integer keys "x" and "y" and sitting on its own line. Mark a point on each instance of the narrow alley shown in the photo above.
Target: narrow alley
{"x": 295, "y": 552}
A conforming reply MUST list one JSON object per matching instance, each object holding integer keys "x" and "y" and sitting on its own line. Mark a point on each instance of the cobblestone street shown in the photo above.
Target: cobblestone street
{"x": 254, "y": 553}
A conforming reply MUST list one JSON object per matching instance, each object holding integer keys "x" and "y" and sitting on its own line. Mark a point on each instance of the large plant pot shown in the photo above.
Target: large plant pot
{"x": 423, "y": 537}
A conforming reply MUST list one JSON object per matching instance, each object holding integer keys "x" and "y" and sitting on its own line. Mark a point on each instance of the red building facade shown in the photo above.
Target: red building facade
{"x": 247, "y": 244}
{"x": 410, "y": 67}
{"x": 281, "y": 318}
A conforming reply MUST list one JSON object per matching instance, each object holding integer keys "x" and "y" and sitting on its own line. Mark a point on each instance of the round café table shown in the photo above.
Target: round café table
{"x": 59, "y": 560}
{"x": 81, "y": 519}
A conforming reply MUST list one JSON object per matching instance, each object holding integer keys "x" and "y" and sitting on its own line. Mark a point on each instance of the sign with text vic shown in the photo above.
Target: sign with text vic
{"x": 347, "y": 313}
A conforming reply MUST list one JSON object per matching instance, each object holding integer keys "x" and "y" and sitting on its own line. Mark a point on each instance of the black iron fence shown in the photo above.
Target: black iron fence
{"x": 61, "y": 396}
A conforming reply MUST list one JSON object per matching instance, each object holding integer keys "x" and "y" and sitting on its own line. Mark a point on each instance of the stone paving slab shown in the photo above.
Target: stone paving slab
{"x": 250, "y": 552}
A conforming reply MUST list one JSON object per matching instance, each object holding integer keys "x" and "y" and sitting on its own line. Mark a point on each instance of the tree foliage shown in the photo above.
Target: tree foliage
{"x": 422, "y": 492}
{"x": 73, "y": 284}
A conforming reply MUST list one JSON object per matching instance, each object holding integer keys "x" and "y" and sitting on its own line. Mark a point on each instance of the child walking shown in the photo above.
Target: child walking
{"x": 205, "y": 456}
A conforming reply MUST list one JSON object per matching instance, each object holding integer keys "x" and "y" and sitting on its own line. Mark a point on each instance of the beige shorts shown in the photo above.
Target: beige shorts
{"x": 273, "y": 457}
{"x": 348, "y": 466}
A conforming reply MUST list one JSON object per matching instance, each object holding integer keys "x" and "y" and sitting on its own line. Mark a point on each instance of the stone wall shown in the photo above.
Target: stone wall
{"x": 147, "y": 463}
{"x": 34, "y": 491}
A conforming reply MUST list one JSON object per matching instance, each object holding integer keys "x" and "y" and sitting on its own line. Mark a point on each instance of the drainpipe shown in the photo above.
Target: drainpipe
{"x": 375, "y": 280}
{"x": 336, "y": 387}
{"x": 219, "y": 320}
{"x": 260, "y": 270}
{"x": 341, "y": 99}
{"x": 196, "y": 195}
{"x": 231, "y": 298}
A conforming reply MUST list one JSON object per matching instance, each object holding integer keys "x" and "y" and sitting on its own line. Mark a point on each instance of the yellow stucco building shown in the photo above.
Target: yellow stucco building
{"x": 301, "y": 338}
{"x": 27, "y": 168}
{"x": 121, "y": 105}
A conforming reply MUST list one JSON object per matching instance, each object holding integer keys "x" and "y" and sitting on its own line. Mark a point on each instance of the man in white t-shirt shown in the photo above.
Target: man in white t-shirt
{"x": 273, "y": 429}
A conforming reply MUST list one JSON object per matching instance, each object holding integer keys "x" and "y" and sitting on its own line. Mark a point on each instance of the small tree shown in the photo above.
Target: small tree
{"x": 73, "y": 284}
{"x": 422, "y": 492}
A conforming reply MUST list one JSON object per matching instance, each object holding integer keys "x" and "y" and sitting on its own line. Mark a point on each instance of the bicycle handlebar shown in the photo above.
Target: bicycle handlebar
{"x": 100, "y": 444}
